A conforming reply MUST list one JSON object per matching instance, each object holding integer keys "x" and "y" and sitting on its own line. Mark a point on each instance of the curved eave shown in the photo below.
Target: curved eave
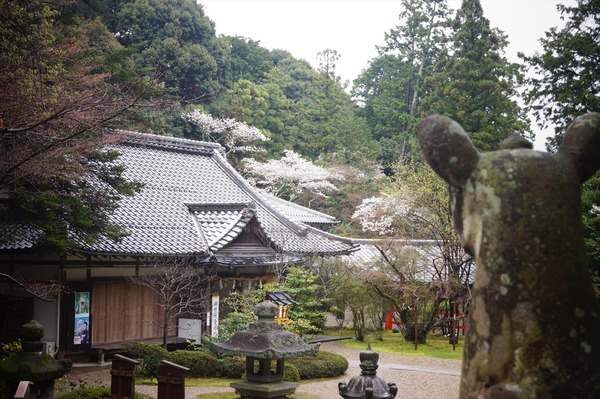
{"x": 227, "y": 233}
{"x": 241, "y": 261}
{"x": 260, "y": 202}
{"x": 139, "y": 254}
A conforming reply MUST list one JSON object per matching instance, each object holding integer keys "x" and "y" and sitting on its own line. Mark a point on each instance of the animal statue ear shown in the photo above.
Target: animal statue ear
{"x": 581, "y": 145}
{"x": 447, "y": 149}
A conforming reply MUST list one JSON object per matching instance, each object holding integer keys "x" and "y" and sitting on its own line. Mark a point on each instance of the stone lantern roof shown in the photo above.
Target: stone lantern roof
{"x": 265, "y": 338}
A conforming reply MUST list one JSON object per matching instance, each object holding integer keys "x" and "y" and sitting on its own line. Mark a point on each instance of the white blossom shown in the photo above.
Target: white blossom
{"x": 290, "y": 175}
{"x": 232, "y": 134}
{"x": 378, "y": 214}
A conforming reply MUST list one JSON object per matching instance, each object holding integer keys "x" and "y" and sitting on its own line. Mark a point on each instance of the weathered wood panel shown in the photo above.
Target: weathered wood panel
{"x": 123, "y": 311}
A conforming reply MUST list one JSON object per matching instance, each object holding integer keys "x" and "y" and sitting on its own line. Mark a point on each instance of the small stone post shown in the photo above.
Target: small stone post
{"x": 23, "y": 390}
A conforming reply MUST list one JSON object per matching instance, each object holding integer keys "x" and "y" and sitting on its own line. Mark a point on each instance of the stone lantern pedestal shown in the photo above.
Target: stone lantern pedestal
{"x": 265, "y": 345}
{"x": 266, "y": 390}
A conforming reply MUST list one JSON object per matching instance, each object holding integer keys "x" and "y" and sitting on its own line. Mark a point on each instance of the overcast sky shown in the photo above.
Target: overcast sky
{"x": 354, "y": 27}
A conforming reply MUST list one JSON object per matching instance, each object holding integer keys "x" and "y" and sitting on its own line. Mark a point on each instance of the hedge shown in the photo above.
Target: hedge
{"x": 200, "y": 363}
{"x": 321, "y": 365}
{"x": 232, "y": 367}
{"x": 150, "y": 354}
{"x": 206, "y": 364}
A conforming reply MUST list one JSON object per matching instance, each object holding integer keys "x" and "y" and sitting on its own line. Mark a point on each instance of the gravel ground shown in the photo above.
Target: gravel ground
{"x": 416, "y": 377}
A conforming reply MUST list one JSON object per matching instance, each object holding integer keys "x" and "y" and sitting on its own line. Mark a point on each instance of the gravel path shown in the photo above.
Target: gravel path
{"x": 416, "y": 377}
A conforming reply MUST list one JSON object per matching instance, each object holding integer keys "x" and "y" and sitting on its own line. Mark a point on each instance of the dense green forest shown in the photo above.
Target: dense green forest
{"x": 72, "y": 69}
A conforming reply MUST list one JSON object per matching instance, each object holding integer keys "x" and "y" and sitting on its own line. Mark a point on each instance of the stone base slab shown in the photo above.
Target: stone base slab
{"x": 275, "y": 390}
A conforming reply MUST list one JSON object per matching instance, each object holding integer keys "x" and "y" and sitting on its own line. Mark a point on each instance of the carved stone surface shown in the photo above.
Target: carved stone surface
{"x": 32, "y": 365}
{"x": 368, "y": 385}
{"x": 264, "y": 343}
{"x": 534, "y": 322}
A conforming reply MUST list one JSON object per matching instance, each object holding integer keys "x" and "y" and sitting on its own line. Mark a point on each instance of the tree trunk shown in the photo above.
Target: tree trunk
{"x": 165, "y": 329}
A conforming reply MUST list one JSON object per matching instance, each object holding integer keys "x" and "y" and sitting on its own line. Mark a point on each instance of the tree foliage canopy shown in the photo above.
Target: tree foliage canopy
{"x": 474, "y": 83}
{"x": 414, "y": 204}
{"x": 566, "y": 75}
{"x": 392, "y": 87}
{"x": 58, "y": 96}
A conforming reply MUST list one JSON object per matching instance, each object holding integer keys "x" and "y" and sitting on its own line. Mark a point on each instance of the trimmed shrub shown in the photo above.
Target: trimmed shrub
{"x": 95, "y": 393}
{"x": 290, "y": 373}
{"x": 233, "y": 367}
{"x": 200, "y": 363}
{"x": 150, "y": 354}
{"x": 9, "y": 348}
{"x": 321, "y": 365}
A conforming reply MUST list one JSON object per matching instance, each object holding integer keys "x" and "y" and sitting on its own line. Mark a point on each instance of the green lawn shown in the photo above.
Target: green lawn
{"x": 388, "y": 342}
{"x": 192, "y": 382}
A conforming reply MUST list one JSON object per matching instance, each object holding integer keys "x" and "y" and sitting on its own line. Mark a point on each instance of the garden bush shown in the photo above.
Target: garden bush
{"x": 94, "y": 393}
{"x": 233, "y": 367}
{"x": 9, "y": 348}
{"x": 200, "y": 363}
{"x": 321, "y": 365}
{"x": 290, "y": 373}
{"x": 150, "y": 354}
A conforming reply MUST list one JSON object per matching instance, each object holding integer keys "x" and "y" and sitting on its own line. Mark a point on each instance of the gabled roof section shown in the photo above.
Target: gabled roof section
{"x": 194, "y": 202}
{"x": 280, "y": 297}
{"x": 221, "y": 223}
{"x": 157, "y": 218}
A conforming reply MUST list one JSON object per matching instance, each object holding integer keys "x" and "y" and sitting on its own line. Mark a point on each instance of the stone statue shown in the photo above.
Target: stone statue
{"x": 534, "y": 320}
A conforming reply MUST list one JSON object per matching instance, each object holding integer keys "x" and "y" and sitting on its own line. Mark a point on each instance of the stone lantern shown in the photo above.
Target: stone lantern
{"x": 31, "y": 364}
{"x": 265, "y": 345}
{"x": 368, "y": 385}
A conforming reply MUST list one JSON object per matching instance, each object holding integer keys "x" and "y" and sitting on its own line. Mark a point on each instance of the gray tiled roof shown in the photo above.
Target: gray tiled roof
{"x": 281, "y": 297}
{"x": 193, "y": 201}
{"x": 17, "y": 236}
{"x": 299, "y": 213}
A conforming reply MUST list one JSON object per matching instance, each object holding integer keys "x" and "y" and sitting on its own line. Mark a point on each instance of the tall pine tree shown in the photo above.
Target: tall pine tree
{"x": 391, "y": 88}
{"x": 566, "y": 80}
{"x": 475, "y": 84}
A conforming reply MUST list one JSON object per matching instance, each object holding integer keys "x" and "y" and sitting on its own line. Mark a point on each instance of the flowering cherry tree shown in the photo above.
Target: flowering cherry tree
{"x": 233, "y": 135}
{"x": 380, "y": 214}
{"x": 414, "y": 205}
{"x": 290, "y": 176}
